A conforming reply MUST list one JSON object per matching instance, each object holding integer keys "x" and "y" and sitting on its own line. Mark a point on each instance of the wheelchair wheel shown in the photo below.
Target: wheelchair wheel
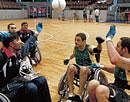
{"x": 101, "y": 77}
{"x": 38, "y": 56}
{"x": 63, "y": 87}
{"x": 98, "y": 75}
{"x": 4, "y": 98}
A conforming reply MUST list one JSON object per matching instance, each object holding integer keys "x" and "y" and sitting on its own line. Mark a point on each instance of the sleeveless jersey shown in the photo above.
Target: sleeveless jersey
{"x": 82, "y": 57}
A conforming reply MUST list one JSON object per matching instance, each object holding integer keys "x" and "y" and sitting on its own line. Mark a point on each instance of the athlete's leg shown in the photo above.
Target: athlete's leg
{"x": 93, "y": 84}
{"x": 84, "y": 73}
{"x": 71, "y": 71}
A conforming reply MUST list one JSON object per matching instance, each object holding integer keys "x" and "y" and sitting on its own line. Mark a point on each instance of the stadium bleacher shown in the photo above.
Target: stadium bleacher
{"x": 78, "y": 4}
{"x": 9, "y": 4}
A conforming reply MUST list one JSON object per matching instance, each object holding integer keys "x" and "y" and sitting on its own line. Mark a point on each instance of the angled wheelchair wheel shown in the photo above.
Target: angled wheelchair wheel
{"x": 101, "y": 77}
{"x": 63, "y": 87}
{"x": 38, "y": 56}
{"x": 4, "y": 98}
{"x": 98, "y": 75}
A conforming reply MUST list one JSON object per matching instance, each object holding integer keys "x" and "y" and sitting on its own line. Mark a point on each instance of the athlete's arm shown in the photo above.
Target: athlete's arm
{"x": 115, "y": 58}
{"x": 71, "y": 56}
{"x": 109, "y": 69}
{"x": 4, "y": 34}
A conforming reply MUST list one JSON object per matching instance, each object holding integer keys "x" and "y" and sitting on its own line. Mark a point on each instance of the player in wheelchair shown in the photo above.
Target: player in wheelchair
{"x": 120, "y": 58}
{"x": 81, "y": 52}
{"x": 18, "y": 81}
{"x": 24, "y": 34}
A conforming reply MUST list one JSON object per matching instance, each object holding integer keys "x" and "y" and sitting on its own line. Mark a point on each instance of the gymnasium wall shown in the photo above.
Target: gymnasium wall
{"x": 13, "y": 14}
{"x": 69, "y": 14}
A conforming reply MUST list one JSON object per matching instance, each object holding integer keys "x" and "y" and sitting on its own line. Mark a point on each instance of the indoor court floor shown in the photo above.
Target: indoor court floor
{"x": 56, "y": 43}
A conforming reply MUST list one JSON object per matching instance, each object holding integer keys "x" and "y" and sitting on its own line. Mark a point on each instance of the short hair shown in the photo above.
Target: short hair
{"x": 82, "y": 36}
{"x": 9, "y": 39}
{"x": 9, "y": 25}
{"x": 125, "y": 42}
{"x": 24, "y": 23}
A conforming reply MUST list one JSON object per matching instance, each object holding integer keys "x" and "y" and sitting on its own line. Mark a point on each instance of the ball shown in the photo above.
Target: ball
{"x": 58, "y": 5}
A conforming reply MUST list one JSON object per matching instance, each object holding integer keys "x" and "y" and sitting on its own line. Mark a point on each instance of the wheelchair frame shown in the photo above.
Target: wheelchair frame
{"x": 38, "y": 56}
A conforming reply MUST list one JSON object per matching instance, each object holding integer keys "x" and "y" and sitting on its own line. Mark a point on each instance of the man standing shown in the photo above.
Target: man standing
{"x": 85, "y": 15}
{"x": 97, "y": 14}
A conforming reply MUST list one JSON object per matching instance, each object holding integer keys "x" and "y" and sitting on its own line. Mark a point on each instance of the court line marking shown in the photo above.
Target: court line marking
{"x": 51, "y": 36}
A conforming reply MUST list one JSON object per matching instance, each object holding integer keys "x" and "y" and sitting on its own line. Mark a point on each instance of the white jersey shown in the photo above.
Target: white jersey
{"x": 97, "y": 12}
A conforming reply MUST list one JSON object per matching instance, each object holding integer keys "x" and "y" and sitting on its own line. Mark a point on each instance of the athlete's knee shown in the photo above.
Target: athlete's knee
{"x": 71, "y": 69}
{"x": 93, "y": 84}
{"x": 30, "y": 88}
{"x": 102, "y": 91}
{"x": 40, "y": 81}
{"x": 84, "y": 70}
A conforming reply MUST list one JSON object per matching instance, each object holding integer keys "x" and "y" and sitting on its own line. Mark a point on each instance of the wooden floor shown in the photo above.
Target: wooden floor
{"x": 56, "y": 42}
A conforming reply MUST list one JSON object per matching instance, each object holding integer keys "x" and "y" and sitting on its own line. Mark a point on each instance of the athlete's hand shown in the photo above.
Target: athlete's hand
{"x": 66, "y": 61}
{"x": 111, "y": 32}
{"x": 100, "y": 40}
{"x": 39, "y": 27}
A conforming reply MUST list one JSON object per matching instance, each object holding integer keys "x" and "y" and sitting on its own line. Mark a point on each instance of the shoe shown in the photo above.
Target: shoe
{"x": 100, "y": 40}
{"x": 75, "y": 98}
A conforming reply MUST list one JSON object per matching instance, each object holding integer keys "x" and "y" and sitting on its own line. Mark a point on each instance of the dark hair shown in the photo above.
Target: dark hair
{"x": 82, "y": 35}
{"x": 9, "y": 39}
{"x": 9, "y": 25}
{"x": 125, "y": 42}
{"x": 24, "y": 23}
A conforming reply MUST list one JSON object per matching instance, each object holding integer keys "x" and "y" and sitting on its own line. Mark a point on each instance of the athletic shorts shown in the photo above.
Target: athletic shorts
{"x": 78, "y": 69}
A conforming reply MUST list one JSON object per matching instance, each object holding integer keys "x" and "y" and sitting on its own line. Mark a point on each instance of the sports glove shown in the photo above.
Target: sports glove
{"x": 66, "y": 61}
{"x": 111, "y": 32}
{"x": 100, "y": 40}
{"x": 39, "y": 27}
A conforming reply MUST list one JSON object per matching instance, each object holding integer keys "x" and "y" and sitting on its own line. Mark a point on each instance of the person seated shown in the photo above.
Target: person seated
{"x": 11, "y": 29}
{"x": 25, "y": 33}
{"x": 120, "y": 58}
{"x": 17, "y": 90}
{"x": 81, "y": 53}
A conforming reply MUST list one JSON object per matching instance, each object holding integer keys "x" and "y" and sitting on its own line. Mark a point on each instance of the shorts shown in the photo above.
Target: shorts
{"x": 78, "y": 69}
{"x": 117, "y": 94}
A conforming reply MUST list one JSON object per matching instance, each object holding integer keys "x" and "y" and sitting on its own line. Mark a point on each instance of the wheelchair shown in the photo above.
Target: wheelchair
{"x": 4, "y": 98}
{"x": 26, "y": 73}
{"x": 38, "y": 56}
{"x": 31, "y": 50}
{"x": 96, "y": 74}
